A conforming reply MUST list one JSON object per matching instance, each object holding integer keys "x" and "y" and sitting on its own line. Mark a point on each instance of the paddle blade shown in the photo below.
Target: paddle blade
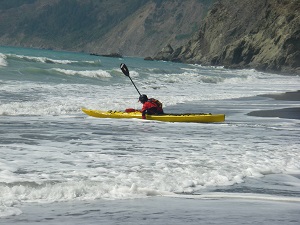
{"x": 124, "y": 69}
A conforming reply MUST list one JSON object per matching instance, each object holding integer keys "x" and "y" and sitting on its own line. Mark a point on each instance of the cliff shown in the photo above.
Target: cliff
{"x": 130, "y": 28}
{"x": 264, "y": 35}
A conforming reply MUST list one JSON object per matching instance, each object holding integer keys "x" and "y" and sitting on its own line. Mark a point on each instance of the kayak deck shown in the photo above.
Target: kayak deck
{"x": 195, "y": 118}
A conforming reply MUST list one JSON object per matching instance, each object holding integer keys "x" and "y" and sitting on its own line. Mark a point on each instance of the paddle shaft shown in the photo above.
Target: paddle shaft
{"x": 134, "y": 85}
{"x": 126, "y": 73}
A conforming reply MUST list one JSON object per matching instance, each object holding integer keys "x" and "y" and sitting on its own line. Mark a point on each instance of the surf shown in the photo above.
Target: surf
{"x": 3, "y": 61}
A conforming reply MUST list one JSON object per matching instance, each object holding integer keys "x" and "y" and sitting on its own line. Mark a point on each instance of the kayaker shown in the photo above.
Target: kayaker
{"x": 150, "y": 106}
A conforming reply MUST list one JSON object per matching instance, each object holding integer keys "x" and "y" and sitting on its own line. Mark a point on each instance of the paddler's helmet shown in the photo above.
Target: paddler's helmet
{"x": 143, "y": 98}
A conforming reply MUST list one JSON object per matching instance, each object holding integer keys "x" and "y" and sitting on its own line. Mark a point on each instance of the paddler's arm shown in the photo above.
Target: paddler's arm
{"x": 144, "y": 114}
{"x": 144, "y": 110}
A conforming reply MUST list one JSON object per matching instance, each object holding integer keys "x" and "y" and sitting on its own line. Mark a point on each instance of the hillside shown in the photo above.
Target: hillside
{"x": 245, "y": 34}
{"x": 261, "y": 34}
{"x": 128, "y": 27}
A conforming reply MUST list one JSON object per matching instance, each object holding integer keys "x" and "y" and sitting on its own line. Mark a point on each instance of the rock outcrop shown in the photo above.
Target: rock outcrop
{"x": 264, "y": 35}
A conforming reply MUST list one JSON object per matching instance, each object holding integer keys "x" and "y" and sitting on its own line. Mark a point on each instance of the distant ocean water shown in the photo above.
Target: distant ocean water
{"x": 59, "y": 166}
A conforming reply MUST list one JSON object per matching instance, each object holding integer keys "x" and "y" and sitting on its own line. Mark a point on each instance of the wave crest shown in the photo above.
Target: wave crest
{"x": 53, "y": 61}
{"x": 85, "y": 73}
{"x": 3, "y": 61}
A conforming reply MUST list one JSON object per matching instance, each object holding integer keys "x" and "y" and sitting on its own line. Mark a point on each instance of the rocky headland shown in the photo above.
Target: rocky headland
{"x": 264, "y": 35}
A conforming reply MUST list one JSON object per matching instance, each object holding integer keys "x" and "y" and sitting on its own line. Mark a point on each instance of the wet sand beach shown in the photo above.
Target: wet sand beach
{"x": 288, "y": 113}
{"x": 288, "y": 96}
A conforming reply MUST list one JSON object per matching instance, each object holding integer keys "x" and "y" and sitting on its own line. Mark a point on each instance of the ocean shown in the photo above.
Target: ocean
{"x": 60, "y": 166}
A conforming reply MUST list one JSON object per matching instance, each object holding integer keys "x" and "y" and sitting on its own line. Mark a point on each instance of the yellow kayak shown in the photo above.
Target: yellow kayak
{"x": 195, "y": 118}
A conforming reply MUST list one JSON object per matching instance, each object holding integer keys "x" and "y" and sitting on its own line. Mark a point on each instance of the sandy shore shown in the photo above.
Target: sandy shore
{"x": 288, "y": 96}
{"x": 288, "y": 113}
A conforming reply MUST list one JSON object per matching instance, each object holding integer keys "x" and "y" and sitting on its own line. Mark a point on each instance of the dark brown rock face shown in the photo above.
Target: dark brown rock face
{"x": 262, "y": 34}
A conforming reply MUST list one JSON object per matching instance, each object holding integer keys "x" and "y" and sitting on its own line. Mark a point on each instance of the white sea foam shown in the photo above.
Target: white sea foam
{"x": 53, "y": 61}
{"x": 6, "y": 211}
{"x": 119, "y": 187}
{"x": 72, "y": 191}
{"x": 41, "y": 59}
{"x": 86, "y": 73}
{"x": 49, "y": 99}
{"x": 134, "y": 73}
{"x": 52, "y": 152}
{"x": 3, "y": 61}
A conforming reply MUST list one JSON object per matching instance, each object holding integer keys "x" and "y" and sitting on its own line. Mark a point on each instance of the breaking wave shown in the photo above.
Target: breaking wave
{"x": 85, "y": 73}
{"x": 52, "y": 61}
{"x": 3, "y": 61}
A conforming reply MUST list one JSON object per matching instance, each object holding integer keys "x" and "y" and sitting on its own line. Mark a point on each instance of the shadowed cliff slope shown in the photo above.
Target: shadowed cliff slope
{"x": 128, "y": 27}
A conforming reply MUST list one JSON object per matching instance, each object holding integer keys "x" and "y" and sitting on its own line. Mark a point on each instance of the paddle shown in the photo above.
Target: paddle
{"x": 126, "y": 73}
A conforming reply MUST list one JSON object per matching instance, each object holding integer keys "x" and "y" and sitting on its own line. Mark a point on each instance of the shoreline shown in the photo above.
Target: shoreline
{"x": 287, "y": 96}
{"x": 287, "y": 113}
{"x": 159, "y": 211}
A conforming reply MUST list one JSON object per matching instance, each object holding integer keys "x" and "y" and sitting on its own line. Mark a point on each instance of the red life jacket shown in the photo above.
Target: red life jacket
{"x": 152, "y": 106}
